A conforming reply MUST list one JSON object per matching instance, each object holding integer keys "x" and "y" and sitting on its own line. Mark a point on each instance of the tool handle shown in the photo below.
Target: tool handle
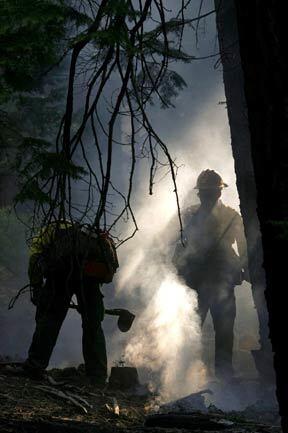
{"x": 113, "y": 312}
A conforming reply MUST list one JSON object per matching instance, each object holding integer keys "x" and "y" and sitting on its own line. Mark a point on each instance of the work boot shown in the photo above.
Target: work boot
{"x": 97, "y": 382}
{"x": 25, "y": 370}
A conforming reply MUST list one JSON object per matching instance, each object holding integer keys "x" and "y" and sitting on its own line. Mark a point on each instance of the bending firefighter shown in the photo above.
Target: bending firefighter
{"x": 68, "y": 259}
{"x": 208, "y": 263}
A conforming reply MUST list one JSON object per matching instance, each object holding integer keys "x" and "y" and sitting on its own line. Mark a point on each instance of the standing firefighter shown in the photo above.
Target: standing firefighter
{"x": 68, "y": 259}
{"x": 209, "y": 264}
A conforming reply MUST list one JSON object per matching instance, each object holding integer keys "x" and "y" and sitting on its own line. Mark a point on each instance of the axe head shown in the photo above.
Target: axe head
{"x": 125, "y": 320}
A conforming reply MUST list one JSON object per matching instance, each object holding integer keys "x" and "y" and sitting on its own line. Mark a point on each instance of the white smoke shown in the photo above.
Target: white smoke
{"x": 166, "y": 335}
{"x": 165, "y": 338}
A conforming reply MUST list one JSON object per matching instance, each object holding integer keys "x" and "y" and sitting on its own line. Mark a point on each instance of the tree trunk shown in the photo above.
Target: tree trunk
{"x": 240, "y": 141}
{"x": 263, "y": 48}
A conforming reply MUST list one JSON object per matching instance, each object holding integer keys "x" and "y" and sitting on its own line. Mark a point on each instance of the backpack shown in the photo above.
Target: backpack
{"x": 81, "y": 250}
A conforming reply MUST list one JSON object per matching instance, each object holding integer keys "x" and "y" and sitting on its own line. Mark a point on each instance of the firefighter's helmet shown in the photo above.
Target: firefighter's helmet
{"x": 209, "y": 179}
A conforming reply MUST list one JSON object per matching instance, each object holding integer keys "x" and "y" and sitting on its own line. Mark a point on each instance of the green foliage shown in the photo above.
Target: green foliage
{"x": 30, "y": 33}
{"x": 39, "y": 114}
{"x": 36, "y": 114}
{"x": 155, "y": 46}
{"x": 121, "y": 8}
{"x": 34, "y": 157}
{"x": 32, "y": 191}
{"x": 173, "y": 26}
{"x": 31, "y": 38}
{"x": 110, "y": 37}
{"x": 168, "y": 88}
{"x": 37, "y": 165}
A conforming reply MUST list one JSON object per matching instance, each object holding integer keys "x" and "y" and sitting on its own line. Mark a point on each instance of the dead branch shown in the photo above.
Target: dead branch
{"x": 73, "y": 398}
{"x": 117, "y": 44}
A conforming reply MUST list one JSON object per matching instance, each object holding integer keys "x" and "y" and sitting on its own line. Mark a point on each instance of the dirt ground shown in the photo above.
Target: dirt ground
{"x": 63, "y": 403}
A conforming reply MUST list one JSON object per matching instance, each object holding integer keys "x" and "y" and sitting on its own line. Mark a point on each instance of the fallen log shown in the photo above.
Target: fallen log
{"x": 188, "y": 421}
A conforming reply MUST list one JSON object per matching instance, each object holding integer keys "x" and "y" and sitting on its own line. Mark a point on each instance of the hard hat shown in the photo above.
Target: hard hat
{"x": 209, "y": 179}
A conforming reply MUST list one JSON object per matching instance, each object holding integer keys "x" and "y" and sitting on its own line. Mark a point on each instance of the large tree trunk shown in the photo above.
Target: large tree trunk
{"x": 263, "y": 48}
{"x": 240, "y": 141}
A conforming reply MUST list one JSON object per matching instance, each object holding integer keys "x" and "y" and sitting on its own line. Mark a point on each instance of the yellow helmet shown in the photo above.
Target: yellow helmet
{"x": 209, "y": 179}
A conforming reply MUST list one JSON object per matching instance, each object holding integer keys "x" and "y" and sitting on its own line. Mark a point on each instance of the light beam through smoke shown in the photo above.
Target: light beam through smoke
{"x": 167, "y": 335}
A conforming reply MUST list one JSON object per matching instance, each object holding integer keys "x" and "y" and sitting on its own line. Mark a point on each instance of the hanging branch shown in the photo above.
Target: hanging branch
{"x": 118, "y": 44}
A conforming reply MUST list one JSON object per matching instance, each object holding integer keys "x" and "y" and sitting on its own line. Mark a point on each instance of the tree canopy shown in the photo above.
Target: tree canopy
{"x": 32, "y": 39}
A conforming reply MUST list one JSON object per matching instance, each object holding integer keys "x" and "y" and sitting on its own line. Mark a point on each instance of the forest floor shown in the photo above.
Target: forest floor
{"x": 63, "y": 403}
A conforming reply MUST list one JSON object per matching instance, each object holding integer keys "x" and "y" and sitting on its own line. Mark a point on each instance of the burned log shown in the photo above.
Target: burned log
{"x": 193, "y": 421}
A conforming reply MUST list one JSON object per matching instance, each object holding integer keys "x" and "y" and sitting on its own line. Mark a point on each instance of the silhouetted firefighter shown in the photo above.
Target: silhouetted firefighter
{"x": 68, "y": 259}
{"x": 209, "y": 264}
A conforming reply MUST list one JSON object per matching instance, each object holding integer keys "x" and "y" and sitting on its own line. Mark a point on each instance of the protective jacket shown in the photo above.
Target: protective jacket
{"x": 209, "y": 264}
{"x": 208, "y": 251}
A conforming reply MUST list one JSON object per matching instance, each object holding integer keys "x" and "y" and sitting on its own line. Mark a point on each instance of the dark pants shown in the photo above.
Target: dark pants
{"x": 219, "y": 298}
{"x": 53, "y": 305}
